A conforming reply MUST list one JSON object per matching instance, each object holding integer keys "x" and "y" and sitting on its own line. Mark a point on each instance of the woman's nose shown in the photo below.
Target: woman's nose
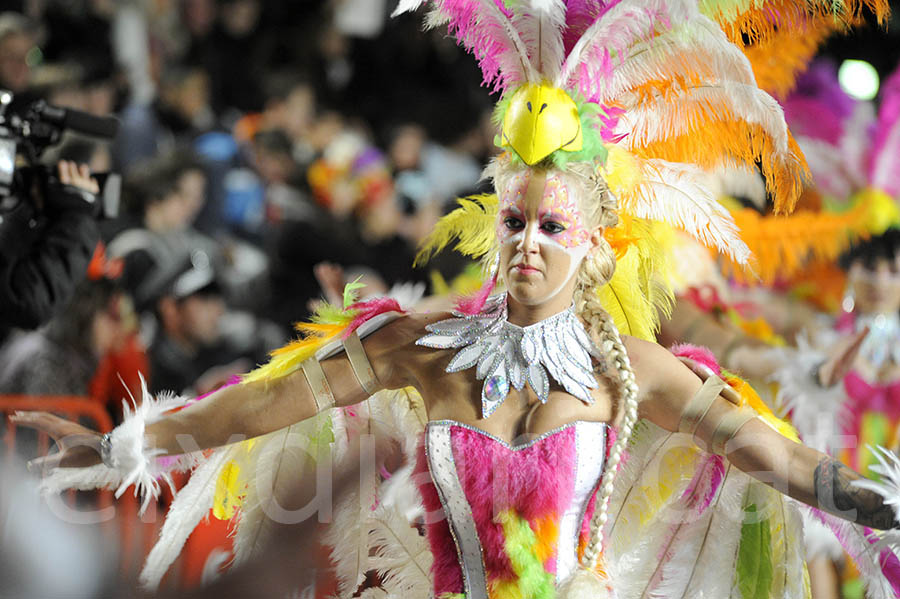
{"x": 529, "y": 239}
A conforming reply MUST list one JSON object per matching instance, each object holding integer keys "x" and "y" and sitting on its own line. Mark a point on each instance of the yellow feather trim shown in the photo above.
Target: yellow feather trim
{"x": 638, "y": 290}
{"x": 749, "y": 397}
{"x": 473, "y": 225}
{"x": 229, "y": 492}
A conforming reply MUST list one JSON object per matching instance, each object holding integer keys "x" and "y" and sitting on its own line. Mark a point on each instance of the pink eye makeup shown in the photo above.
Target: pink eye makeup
{"x": 559, "y": 214}
{"x": 559, "y": 221}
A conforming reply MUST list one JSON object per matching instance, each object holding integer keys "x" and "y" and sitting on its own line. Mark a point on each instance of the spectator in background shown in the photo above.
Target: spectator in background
{"x": 290, "y": 106}
{"x": 189, "y": 308}
{"x": 299, "y": 233}
{"x": 62, "y": 358}
{"x": 18, "y": 54}
{"x": 17, "y": 41}
{"x": 233, "y": 55}
{"x": 163, "y": 198}
{"x": 180, "y": 112}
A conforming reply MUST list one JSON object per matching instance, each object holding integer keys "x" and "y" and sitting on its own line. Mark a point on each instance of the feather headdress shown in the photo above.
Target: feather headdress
{"x": 653, "y": 93}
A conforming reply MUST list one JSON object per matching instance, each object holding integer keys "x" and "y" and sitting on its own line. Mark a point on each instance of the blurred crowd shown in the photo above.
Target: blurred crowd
{"x": 263, "y": 168}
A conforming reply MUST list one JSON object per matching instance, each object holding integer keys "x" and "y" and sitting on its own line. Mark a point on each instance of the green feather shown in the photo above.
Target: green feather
{"x": 755, "y": 571}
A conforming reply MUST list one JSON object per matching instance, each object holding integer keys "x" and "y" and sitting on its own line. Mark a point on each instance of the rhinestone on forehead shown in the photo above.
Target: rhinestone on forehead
{"x": 507, "y": 356}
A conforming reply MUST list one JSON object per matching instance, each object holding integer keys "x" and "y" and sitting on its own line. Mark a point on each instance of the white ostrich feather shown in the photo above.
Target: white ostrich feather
{"x": 819, "y": 539}
{"x": 132, "y": 459}
{"x": 739, "y": 181}
{"x": 701, "y": 561}
{"x": 638, "y": 524}
{"x": 680, "y": 194}
{"x": 888, "y": 469}
{"x": 406, "y": 6}
{"x": 400, "y": 554}
{"x": 273, "y": 467}
{"x": 627, "y": 23}
{"x": 658, "y": 118}
{"x": 866, "y": 555}
{"x": 696, "y": 47}
{"x": 189, "y": 508}
{"x": 541, "y": 29}
{"x": 349, "y": 530}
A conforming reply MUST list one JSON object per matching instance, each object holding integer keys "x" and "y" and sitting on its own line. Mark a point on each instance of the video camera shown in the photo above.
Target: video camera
{"x": 30, "y": 132}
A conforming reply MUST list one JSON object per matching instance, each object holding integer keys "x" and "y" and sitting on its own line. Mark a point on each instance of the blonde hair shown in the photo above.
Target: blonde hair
{"x": 599, "y": 208}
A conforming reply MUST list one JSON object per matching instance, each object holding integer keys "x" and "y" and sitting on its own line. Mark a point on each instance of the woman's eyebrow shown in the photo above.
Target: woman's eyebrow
{"x": 554, "y": 213}
{"x": 512, "y": 208}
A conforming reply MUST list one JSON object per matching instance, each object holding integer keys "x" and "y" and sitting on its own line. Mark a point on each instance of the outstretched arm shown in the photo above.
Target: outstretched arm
{"x": 251, "y": 409}
{"x": 808, "y": 475}
{"x": 669, "y": 390}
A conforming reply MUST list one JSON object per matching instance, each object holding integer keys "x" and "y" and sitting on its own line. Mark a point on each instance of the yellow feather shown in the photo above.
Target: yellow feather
{"x": 473, "y": 225}
{"x": 639, "y": 290}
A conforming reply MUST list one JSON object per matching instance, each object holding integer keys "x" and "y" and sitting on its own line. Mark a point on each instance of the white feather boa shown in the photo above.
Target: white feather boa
{"x": 132, "y": 460}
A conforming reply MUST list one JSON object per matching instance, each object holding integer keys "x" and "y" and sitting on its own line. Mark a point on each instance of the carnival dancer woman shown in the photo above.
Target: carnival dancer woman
{"x": 532, "y": 397}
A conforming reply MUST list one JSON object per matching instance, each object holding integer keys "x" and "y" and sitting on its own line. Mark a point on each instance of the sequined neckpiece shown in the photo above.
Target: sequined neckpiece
{"x": 506, "y": 356}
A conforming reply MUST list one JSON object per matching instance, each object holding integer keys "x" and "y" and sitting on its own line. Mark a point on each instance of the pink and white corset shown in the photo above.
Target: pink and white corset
{"x": 508, "y": 520}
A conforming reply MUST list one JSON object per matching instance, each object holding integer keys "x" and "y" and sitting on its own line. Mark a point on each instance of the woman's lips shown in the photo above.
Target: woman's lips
{"x": 526, "y": 269}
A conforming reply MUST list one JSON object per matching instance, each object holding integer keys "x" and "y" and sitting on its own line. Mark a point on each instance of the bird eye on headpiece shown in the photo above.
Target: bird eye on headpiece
{"x": 541, "y": 119}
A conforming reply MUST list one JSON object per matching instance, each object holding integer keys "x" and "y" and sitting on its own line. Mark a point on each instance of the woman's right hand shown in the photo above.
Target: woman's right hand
{"x": 78, "y": 445}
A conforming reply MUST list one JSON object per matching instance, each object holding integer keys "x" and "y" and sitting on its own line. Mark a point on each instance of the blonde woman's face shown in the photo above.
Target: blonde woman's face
{"x": 543, "y": 237}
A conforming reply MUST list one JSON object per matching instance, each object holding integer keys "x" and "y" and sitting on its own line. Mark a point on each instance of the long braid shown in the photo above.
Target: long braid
{"x": 597, "y": 270}
{"x": 602, "y": 327}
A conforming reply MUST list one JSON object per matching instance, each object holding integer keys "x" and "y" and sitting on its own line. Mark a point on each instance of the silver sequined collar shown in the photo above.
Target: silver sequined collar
{"x": 508, "y": 355}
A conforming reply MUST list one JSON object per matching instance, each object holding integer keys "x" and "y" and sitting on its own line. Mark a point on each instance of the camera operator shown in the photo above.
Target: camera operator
{"x": 46, "y": 243}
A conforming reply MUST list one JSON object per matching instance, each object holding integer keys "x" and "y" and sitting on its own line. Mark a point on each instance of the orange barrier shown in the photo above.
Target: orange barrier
{"x": 134, "y": 536}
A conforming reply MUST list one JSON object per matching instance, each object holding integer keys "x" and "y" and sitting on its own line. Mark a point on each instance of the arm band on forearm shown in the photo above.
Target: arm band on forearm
{"x": 700, "y": 404}
{"x": 728, "y": 427}
{"x": 360, "y": 364}
{"x": 321, "y": 390}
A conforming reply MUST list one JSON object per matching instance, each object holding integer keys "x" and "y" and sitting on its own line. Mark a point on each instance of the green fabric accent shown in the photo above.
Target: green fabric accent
{"x": 755, "y": 572}
{"x": 452, "y": 596}
{"x": 874, "y": 430}
{"x": 853, "y": 589}
{"x": 533, "y": 580}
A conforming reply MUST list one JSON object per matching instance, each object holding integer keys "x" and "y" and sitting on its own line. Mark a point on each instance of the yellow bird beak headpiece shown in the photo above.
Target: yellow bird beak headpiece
{"x": 541, "y": 119}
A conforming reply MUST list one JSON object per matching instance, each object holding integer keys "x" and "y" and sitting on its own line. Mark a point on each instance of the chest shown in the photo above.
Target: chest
{"x": 521, "y": 416}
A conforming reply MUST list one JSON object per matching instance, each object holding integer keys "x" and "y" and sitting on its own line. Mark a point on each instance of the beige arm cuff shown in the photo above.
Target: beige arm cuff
{"x": 321, "y": 390}
{"x": 360, "y": 364}
{"x": 728, "y": 427}
{"x": 700, "y": 404}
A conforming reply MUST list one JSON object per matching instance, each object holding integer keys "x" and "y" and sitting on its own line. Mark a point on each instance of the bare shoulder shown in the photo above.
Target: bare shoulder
{"x": 652, "y": 363}
{"x": 403, "y": 331}
{"x": 392, "y": 348}
{"x": 665, "y": 384}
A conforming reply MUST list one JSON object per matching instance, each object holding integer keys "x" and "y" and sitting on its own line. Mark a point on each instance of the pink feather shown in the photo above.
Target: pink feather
{"x": 697, "y": 354}
{"x": 885, "y": 157}
{"x": 706, "y": 482}
{"x": 493, "y": 41}
{"x": 888, "y": 561}
{"x": 370, "y": 309}
{"x": 581, "y": 14}
{"x": 473, "y": 304}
